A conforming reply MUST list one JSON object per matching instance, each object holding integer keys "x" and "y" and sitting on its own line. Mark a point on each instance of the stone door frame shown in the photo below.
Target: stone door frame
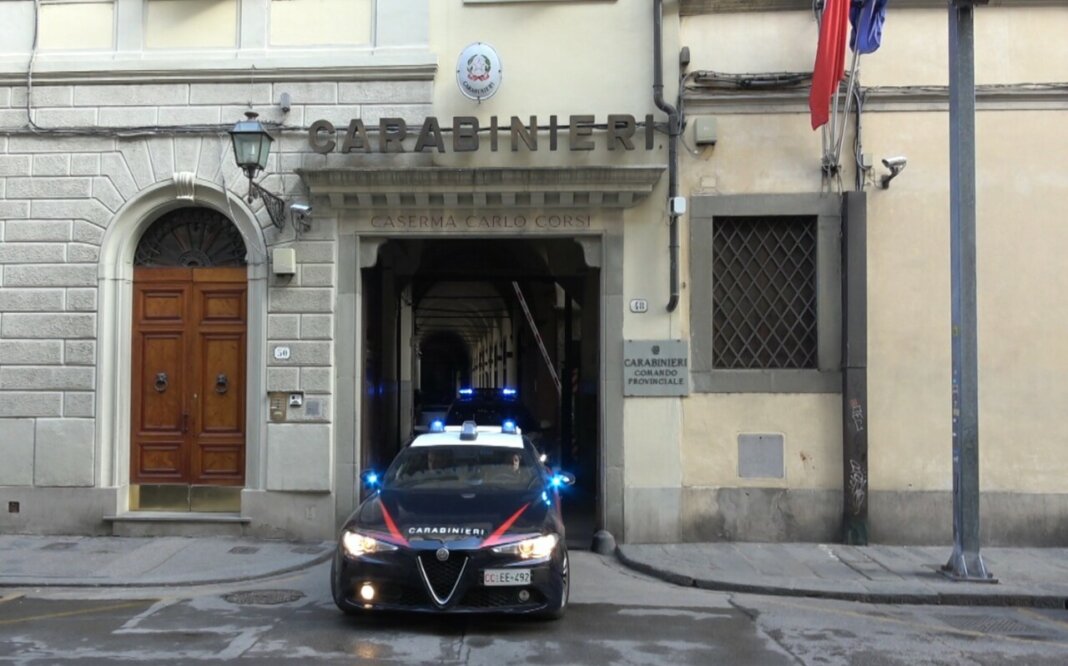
{"x": 115, "y": 326}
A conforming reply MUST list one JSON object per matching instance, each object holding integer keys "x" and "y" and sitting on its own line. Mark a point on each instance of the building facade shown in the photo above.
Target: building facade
{"x": 484, "y": 197}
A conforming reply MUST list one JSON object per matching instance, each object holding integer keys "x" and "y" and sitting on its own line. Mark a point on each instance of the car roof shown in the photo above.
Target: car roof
{"x": 487, "y": 436}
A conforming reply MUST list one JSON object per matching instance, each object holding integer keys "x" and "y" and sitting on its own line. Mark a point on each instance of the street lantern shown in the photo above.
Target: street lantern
{"x": 252, "y": 145}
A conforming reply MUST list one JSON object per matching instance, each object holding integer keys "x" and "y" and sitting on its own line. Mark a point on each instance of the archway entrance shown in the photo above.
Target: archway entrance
{"x": 188, "y": 408}
{"x": 492, "y": 315}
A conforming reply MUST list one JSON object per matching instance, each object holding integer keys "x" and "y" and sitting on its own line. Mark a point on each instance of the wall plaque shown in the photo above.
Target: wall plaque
{"x": 656, "y": 367}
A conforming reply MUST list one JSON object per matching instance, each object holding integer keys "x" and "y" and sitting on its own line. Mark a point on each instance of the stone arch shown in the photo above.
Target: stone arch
{"x": 114, "y": 322}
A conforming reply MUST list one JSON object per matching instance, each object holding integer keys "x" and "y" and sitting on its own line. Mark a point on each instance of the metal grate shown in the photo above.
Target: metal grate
{"x": 191, "y": 237}
{"x": 263, "y": 597}
{"x": 764, "y": 292}
{"x": 500, "y": 597}
{"x": 400, "y": 595}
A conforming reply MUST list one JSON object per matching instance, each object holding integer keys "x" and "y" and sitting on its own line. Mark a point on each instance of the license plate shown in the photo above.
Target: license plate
{"x": 501, "y": 577}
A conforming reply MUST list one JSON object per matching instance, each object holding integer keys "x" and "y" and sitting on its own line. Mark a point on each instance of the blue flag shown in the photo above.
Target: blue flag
{"x": 867, "y": 17}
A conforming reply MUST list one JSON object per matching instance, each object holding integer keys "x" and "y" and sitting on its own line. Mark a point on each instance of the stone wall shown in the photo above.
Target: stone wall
{"x": 93, "y": 150}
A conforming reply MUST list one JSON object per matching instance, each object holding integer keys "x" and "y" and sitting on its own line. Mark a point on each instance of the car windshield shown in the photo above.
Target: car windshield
{"x": 461, "y": 468}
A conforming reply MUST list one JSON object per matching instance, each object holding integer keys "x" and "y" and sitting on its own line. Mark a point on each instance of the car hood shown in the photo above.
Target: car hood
{"x": 470, "y": 519}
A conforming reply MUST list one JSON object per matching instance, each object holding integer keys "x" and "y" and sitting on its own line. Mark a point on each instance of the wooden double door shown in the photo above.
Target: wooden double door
{"x": 189, "y": 340}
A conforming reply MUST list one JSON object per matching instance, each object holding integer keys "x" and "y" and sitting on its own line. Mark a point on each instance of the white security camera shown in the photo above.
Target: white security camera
{"x": 896, "y": 166}
{"x": 301, "y": 213}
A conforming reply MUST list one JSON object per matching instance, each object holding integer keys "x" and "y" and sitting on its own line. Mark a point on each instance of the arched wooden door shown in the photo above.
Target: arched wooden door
{"x": 189, "y": 348}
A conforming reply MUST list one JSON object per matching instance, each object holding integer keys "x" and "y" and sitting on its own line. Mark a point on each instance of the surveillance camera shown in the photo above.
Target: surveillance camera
{"x": 896, "y": 166}
{"x": 300, "y": 209}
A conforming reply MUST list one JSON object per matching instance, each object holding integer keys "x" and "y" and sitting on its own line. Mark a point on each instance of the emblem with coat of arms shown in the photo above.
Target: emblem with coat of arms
{"x": 478, "y": 71}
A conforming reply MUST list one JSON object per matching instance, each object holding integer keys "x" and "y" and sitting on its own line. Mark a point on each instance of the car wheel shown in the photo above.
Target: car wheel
{"x": 557, "y": 612}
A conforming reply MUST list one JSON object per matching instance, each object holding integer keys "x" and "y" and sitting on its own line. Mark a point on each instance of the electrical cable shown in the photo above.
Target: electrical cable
{"x": 29, "y": 67}
{"x": 858, "y": 146}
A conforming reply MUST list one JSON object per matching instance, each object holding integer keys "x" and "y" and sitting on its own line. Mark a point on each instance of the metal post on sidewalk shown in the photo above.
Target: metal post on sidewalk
{"x": 965, "y": 564}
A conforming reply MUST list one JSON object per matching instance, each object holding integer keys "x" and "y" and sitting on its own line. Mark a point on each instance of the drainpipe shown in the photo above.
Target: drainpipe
{"x": 673, "y": 138}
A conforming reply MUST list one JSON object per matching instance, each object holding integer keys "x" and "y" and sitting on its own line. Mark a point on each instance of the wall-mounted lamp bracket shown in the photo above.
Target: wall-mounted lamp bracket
{"x": 276, "y": 207}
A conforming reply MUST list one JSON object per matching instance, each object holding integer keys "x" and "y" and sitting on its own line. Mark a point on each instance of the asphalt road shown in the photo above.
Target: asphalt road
{"x": 616, "y": 617}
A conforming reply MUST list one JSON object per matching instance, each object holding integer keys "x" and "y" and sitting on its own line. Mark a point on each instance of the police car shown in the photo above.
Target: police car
{"x": 466, "y": 519}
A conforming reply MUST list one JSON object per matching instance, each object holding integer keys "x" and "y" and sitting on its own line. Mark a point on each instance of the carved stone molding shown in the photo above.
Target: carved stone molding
{"x": 185, "y": 185}
{"x": 446, "y": 187}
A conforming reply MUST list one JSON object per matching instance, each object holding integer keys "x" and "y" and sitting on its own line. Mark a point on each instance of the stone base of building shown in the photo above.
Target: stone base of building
{"x": 302, "y": 516}
{"x": 771, "y": 515}
{"x": 664, "y": 515}
{"x": 1005, "y": 519}
{"x": 29, "y": 510}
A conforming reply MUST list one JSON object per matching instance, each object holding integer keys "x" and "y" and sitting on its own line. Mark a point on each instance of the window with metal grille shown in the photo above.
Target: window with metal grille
{"x": 764, "y": 292}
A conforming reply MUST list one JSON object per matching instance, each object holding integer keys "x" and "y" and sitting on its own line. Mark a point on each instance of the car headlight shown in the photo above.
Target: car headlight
{"x": 358, "y": 545}
{"x": 530, "y": 548}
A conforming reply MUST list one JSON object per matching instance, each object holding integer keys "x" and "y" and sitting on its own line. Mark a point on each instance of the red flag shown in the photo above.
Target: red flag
{"x": 830, "y": 59}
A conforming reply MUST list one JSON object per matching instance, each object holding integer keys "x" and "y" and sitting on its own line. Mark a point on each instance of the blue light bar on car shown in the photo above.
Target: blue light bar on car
{"x": 466, "y": 391}
{"x": 469, "y": 431}
{"x": 508, "y": 392}
{"x": 437, "y": 425}
{"x": 508, "y": 427}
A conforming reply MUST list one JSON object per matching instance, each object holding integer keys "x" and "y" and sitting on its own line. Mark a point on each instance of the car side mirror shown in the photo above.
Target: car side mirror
{"x": 370, "y": 479}
{"x": 560, "y": 479}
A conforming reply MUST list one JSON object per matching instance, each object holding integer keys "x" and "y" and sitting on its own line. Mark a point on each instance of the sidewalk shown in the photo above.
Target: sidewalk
{"x": 879, "y": 574}
{"x": 1035, "y": 577}
{"x": 72, "y": 561}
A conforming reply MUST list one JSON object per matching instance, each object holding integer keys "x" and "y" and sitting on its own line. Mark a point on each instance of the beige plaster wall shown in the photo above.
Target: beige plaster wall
{"x": 77, "y": 26}
{"x": 914, "y": 49}
{"x": 1021, "y": 239}
{"x": 1022, "y": 304}
{"x": 810, "y": 425}
{"x": 320, "y": 22}
{"x": 183, "y": 24}
{"x": 553, "y": 63}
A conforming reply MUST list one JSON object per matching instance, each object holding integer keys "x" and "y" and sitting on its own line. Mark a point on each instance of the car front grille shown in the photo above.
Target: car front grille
{"x": 403, "y": 595}
{"x": 499, "y": 597}
{"x": 442, "y": 576}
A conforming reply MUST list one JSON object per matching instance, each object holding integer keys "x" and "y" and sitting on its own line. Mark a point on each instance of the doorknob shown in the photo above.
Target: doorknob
{"x": 222, "y": 384}
{"x": 185, "y": 423}
{"x": 161, "y": 382}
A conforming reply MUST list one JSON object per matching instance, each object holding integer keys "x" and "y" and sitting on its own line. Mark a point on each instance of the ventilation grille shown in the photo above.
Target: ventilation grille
{"x": 500, "y": 597}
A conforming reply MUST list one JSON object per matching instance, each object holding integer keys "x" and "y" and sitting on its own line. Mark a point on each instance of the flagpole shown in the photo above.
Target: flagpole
{"x": 845, "y": 112}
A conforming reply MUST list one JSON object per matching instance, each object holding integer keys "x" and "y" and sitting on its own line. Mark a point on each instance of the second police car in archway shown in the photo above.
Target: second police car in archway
{"x": 466, "y": 519}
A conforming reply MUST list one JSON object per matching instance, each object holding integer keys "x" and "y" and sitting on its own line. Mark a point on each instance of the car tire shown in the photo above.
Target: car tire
{"x": 557, "y": 612}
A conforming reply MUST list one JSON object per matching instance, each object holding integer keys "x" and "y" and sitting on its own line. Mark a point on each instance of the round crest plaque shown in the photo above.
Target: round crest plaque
{"x": 478, "y": 71}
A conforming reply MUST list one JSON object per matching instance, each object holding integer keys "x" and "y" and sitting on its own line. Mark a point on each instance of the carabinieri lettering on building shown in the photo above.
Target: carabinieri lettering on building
{"x": 468, "y": 135}
{"x": 656, "y": 367}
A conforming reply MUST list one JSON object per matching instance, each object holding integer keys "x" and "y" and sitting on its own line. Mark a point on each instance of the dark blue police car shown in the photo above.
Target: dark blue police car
{"x": 466, "y": 519}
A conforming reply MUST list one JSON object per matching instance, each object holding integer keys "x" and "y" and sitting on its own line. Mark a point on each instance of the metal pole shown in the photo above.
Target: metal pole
{"x": 965, "y": 564}
{"x": 855, "y": 369}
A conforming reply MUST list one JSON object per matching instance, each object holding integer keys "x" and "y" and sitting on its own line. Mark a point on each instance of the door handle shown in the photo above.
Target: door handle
{"x": 185, "y": 423}
{"x": 222, "y": 384}
{"x": 161, "y": 382}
